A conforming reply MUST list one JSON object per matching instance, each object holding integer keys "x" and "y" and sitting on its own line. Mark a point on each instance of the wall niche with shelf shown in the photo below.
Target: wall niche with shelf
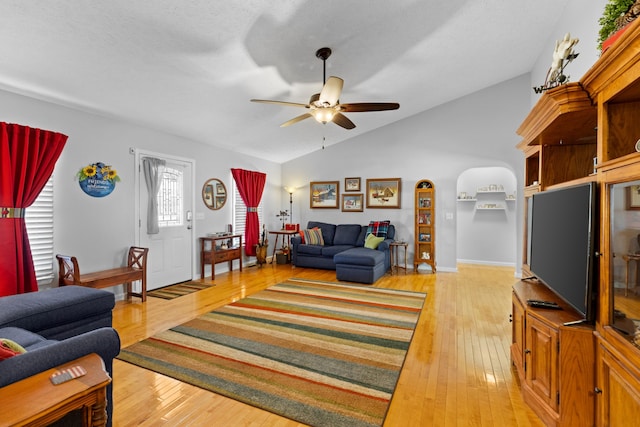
{"x": 487, "y": 214}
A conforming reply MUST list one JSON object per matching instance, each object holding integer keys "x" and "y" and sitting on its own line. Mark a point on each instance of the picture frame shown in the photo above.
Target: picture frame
{"x": 633, "y": 197}
{"x": 352, "y": 202}
{"x": 324, "y": 194}
{"x": 384, "y": 193}
{"x": 352, "y": 184}
{"x": 424, "y": 237}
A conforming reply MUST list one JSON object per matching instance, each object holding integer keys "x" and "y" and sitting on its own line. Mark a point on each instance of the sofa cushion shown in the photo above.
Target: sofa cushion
{"x": 28, "y": 340}
{"x": 312, "y": 236}
{"x": 359, "y": 256}
{"x": 328, "y": 230}
{"x": 347, "y": 234}
{"x": 372, "y": 241}
{"x": 330, "y": 251}
{"x": 310, "y": 250}
{"x": 363, "y": 234}
{"x": 379, "y": 228}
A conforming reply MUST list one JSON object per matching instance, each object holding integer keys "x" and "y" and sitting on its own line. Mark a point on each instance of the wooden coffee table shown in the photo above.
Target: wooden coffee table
{"x": 35, "y": 401}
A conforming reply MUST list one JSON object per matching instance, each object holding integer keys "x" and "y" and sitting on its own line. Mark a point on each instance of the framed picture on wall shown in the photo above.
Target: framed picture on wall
{"x": 633, "y": 197}
{"x": 352, "y": 184}
{"x": 324, "y": 194}
{"x": 383, "y": 193}
{"x": 352, "y": 202}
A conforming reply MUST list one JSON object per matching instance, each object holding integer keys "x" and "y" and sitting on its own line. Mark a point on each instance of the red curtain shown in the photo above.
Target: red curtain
{"x": 250, "y": 185}
{"x": 27, "y": 159}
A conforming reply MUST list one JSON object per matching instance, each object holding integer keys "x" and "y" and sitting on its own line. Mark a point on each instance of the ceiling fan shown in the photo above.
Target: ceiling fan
{"x": 325, "y": 106}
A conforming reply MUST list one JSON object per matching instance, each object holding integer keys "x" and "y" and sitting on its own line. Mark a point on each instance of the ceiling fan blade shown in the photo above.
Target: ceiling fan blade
{"x": 289, "y": 104}
{"x": 369, "y": 106}
{"x": 331, "y": 91}
{"x": 342, "y": 120}
{"x": 296, "y": 120}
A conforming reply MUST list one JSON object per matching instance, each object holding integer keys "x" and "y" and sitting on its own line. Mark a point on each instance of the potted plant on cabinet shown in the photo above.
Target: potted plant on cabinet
{"x": 617, "y": 14}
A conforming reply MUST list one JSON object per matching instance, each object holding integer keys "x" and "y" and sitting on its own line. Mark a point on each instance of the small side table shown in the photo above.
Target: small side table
{"x": 35, "y": 401}
{"x": 283, "y": 233}
{"x": 395, "y": 260}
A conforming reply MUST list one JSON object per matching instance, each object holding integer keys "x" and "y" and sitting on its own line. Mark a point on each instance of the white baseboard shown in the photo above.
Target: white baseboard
{"x": 491, "y": 263}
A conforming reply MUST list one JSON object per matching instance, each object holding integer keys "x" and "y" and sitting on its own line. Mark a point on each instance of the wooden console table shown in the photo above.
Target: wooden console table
{"x": 35, "y": 401}
{"x": 215, "y": 255}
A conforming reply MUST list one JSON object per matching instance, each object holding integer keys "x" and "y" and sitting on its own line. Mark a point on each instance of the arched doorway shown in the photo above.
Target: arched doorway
{"x": 486, "y": 216}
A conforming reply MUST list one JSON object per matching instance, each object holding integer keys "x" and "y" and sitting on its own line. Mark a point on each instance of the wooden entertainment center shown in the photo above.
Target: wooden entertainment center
{"x": 586, "y": 131}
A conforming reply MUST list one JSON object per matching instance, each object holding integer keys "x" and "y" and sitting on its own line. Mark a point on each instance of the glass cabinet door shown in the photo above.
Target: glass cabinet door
{"x": 625, "y": 259}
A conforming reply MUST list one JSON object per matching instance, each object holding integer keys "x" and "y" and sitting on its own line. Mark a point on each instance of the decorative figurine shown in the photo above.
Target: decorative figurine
{"x": 563, "y": 54}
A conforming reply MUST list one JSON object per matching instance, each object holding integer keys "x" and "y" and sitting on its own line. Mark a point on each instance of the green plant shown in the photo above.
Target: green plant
{"x": 613, "y": 10}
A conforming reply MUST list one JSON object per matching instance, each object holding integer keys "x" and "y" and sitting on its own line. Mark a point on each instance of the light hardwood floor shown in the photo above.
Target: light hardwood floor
{"x": 457, "y": 372}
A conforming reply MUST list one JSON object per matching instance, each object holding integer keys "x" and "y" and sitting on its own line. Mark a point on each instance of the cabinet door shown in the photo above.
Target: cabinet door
{"x": 517, "y": 336}
{"x": 541, "y": 358}
{"x": 619, "y": 399}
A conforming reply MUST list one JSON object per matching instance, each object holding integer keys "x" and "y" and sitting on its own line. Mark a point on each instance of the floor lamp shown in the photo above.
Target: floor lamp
{"x": 290, "y": 191}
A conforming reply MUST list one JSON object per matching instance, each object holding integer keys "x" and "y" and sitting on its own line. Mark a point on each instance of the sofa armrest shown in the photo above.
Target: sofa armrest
{"x": 384, "y": 245}
{"x": 58, "y": 313}
{"x": 295, "y": 240}
{"x": 105, "y": 342}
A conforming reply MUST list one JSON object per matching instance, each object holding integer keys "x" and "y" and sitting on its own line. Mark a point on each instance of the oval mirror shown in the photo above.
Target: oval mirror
{"x": 214, "y": 194}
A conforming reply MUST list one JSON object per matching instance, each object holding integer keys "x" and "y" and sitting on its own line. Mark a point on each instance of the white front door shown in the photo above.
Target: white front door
{"x": 170, "y": 251}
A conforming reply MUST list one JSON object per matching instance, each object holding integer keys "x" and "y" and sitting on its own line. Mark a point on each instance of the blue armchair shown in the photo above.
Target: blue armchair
{"x": 57, "y": 326}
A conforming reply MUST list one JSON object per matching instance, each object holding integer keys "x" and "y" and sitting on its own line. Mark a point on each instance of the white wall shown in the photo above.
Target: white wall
{"x": 99, "y": 230}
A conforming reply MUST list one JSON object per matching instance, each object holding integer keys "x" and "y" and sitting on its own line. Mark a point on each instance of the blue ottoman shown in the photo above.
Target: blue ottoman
{"x": 362, "y": 265}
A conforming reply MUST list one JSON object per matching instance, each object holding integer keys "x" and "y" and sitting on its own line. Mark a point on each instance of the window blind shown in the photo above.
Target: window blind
{"x": 39, "y": 221}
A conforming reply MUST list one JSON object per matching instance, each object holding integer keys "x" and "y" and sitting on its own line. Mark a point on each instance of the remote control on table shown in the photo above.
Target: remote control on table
{"x": 543, "y": 304}
{"x": 64, "y": 375}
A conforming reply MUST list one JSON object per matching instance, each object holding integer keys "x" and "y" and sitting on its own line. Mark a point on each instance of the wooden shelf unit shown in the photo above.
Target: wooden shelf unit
{"x": 425, "y": 225}
{"x": 597, "y": 117}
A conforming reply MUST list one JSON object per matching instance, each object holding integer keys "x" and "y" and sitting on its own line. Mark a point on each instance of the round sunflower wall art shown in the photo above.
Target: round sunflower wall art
{"x": 97, "y": 179}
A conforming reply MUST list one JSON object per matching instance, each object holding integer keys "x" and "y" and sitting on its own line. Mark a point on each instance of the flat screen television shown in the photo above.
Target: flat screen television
{"x": 563, "y": 229}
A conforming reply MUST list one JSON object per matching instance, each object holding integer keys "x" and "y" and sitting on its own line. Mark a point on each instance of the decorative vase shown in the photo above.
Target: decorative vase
{"x": 613, "y": 38}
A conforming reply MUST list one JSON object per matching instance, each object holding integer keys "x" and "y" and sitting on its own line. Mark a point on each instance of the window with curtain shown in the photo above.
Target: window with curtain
{"x": 171, "y": 198}
{"x": 240, "y": 211}
{"x": 39, "y": 221}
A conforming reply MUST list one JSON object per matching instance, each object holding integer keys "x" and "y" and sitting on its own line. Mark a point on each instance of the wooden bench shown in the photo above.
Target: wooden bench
{"x": 136, "y": 269}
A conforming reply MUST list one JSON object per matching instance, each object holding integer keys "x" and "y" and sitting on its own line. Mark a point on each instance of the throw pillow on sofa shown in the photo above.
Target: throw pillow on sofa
{"x": 9, "y": 348}
{"x": 379, "y": 228}
{"x": 372, "y": 241}
{"x": 312, "y": 236}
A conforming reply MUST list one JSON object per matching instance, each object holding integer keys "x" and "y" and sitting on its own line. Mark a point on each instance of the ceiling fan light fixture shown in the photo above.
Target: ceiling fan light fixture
{"x": 323, "y": 114}
{"x": 325, "y": 106}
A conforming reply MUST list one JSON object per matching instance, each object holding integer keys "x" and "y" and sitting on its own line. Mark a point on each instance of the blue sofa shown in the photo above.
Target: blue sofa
{"x": 344, "y": 251}
{"x": 56, "y": 326}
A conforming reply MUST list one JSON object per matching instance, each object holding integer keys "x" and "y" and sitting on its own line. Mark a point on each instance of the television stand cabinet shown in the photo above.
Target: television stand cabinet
{"x": 555, "y": 362}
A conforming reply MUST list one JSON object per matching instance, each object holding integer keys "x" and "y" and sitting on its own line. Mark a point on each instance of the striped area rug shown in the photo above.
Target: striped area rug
{"x": 321, "y": 353}
{"x": 178, "y": 290}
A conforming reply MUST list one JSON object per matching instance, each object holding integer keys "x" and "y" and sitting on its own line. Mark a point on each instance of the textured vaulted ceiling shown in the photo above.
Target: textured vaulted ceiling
{"x": 190, "y": 67}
